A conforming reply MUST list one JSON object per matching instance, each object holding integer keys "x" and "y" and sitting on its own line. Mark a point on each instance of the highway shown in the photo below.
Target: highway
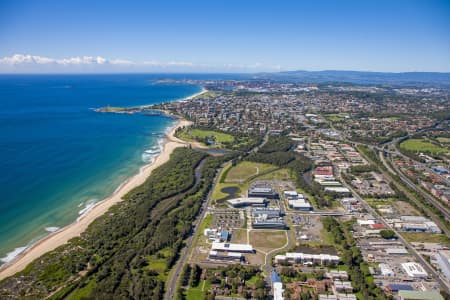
{"x": 175, "y": 274}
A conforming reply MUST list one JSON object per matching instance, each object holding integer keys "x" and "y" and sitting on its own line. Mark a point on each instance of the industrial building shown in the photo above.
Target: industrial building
{"x": 414, "y": 270}
{"x": 250, "y": 201}
{"x": 443, "y": 261}
{"x": 386, "y": 270}
{"x": 225, "y": 255}
{"x": 229, "y": 247}
{"x": 263, "y": 222}
{"x": 304, "y": 258}
{"x": 300, "y": 204}
{"x": 337, "y": 189}
{"x": 266, "y": 192}
{"x": 270, "y": 212}
{"x": 396, "y": 251}
{"x": 292, "y": 195}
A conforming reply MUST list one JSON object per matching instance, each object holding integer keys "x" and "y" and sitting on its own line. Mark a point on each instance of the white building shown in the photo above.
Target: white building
{"x": 300, "y": 204}
{"x": 229, "y": 247}
{"x": 278, "y": 291}
{"x": 385, "y": 270}
{"x": 294, "y": 257}
{"x": 253, "y": 201}
{"x": 414, "y": 270}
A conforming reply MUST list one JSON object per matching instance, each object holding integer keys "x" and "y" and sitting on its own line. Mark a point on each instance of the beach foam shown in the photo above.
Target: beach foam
{"x": 88, "y": 205}
{"x": 13, "y": 254}
{"x": 51, "y": 229}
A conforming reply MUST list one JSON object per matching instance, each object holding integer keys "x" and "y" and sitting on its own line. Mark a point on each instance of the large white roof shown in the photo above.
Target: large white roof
{"x": 414, "y": 269}
{"x": 245, "y": 200}
{"x": 231, "y": 247}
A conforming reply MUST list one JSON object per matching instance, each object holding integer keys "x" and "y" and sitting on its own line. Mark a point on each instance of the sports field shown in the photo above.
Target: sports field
{"x": 420, "y": 145}
{"x": 200, "y": 134}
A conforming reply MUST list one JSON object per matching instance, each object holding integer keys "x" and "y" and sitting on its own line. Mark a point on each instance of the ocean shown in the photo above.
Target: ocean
{"x": 59, "y": 157}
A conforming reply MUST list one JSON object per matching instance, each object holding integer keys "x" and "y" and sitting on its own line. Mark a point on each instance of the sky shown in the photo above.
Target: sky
{"x": 224, "y": 36}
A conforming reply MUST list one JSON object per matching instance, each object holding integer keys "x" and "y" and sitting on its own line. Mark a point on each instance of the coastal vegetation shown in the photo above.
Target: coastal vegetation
{"x": 127, "y": 252}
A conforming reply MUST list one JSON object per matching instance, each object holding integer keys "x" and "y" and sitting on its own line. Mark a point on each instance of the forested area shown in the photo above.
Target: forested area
{"x": 128, "y": 251}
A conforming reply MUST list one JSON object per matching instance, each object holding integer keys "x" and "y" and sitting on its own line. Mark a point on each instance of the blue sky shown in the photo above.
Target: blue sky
{"x": 224, "y": 36}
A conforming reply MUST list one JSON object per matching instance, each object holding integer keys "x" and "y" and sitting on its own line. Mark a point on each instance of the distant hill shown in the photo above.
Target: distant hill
{"x": 360, "y": 77}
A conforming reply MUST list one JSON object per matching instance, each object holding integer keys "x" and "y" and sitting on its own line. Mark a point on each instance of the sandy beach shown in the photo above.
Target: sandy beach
{"x": 63, "y": 235}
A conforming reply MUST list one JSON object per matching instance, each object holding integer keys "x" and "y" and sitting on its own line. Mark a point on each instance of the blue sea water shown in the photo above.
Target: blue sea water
{"x": 58, "y": 156}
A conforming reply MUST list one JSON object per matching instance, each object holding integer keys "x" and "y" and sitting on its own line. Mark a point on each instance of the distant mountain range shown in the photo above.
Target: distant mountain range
{"x": 361, "y": 77}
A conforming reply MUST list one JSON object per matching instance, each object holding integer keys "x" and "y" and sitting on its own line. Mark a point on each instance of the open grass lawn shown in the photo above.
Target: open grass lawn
{"x": 426, "y": 237}
{"x": 420, "y": 145}
{"x": 334, "y": 118}
{"x": 239, "y": 236}
{"x": 245, "y": 170}
{"x": 200, "y": 135}
{"x": 281, "y": 174}
{"x": 267, "y": 240}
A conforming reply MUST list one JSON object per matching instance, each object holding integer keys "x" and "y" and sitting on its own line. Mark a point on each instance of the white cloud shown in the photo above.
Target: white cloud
{"x": 121, "y": 62}
{"x": 36, "y": 63}
{"x": 18, "y": 59}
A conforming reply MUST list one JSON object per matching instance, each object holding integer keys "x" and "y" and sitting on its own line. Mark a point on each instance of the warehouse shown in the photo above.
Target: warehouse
{"x": 229, "y": 247}
{"x": 443, "y": 261}
{"x": 396, "y": 251}
{"x": 414, "y": 270}
{"x": 225, "y": 255}
{"x": 265, "y": 223}
{"x": 300, "y": 204}
{"x": 294, "y": 257}
{"x": 243, "y": 202}
{"x": 270, "y": 212}
{"x": 386, "y": 270}
{"x": 266, "y": 192}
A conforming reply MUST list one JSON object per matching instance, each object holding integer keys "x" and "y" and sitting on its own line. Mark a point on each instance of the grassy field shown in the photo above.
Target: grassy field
{"x": 420, "y": 145}
{"x": 200, "y": 135}
{"x": 267, "y": 240}
{"x": 239, "y": 236}
{"x": 281, "y": 174}
{"x": 334, "y": 118}
{"x": 426, "y": 237}
{"x": 245, "y": 170}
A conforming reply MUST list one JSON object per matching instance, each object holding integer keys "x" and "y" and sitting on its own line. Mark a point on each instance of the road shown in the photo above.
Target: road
{"x": 442, "y": 281}
{"x": 173, "y": 277}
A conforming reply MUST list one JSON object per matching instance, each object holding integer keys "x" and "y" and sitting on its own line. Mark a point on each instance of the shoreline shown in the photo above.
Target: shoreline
{"x": 78, "y": 226}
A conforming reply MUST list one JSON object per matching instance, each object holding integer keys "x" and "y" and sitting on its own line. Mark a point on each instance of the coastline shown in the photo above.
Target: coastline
{"x": 74, "y": 229}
